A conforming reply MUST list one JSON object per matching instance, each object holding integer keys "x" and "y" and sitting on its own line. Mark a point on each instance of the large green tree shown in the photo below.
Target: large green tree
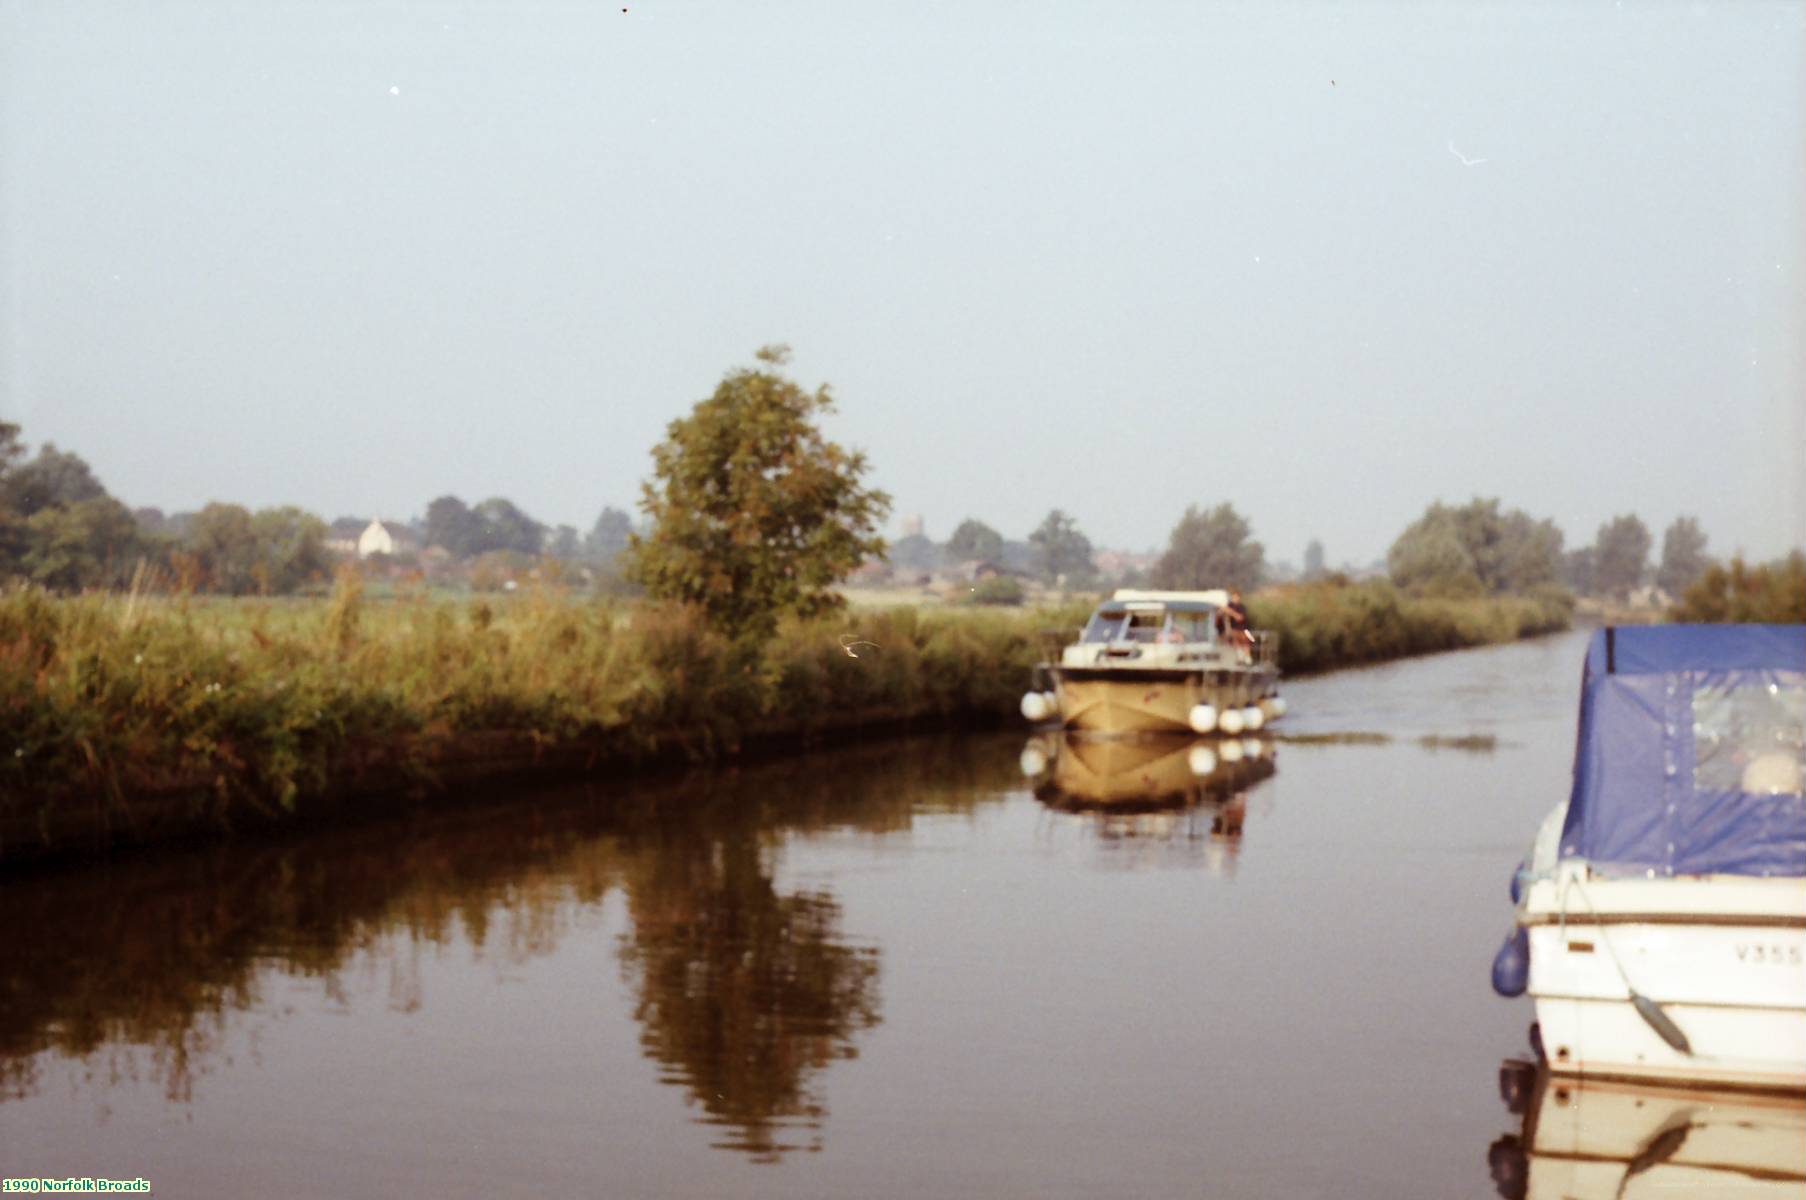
{"x": 224, "y": 541}
{"x": 564, "y": 543}
{"x": 1476, "y": 547}
{"x": 1684, "y": 557}
{"x": 53, "y": 479}
{"x": 1580, "y": 570}
{"x": 1621, "y": 555}
{"x": 12, "y": 449}
{"x": 753, "y": 512}
{"x": 974, "y": 540}
{"x": 608, "y": 538}
{"x": 915, "y": 553}
{"x": 290, "y": 550}
{"x": 451, "y": 524}
{"x": 93, "y": 543}
{"x": 1211, "y": 549}
{"x": 1062, "y": 553}
{"x": 1313, "y": 561}
{"x": 58, "y": 525}
{"x": 1430, "y": 557}
{"x": 506, "y": 527}
{"x": 13, "y": 538}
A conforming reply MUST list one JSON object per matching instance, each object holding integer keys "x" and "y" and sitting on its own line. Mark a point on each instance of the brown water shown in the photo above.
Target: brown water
{"x": 885, "y": 971}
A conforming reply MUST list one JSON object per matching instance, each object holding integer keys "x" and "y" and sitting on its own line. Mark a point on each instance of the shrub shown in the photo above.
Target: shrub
{"x": 998, "y": 589}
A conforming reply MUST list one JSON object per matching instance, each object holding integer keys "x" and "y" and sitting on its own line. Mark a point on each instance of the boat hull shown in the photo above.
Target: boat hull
{"x": 1724, "y": 958}
{"x": 1123, "y": 701}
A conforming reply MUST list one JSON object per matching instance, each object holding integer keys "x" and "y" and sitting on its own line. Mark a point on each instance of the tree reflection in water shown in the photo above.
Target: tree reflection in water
{"x": 133, "y": 970}
{"x": 744, "y": 994}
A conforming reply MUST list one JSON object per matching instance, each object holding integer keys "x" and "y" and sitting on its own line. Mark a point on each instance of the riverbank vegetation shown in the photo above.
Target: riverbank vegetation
{"x": 164, "y": 706}
{"x": 252, "y": 705}
{"x": 1323, "y": 626}
{"x": 1771, "y": 593}
{"x": 248, "y": 709}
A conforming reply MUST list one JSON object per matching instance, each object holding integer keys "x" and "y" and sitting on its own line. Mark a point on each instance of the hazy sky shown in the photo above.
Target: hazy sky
{"x": 1326, "y": 263}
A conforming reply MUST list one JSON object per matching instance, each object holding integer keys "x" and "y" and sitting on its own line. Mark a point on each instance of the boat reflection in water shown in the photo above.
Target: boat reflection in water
{"x": 1585, "y": 1138}
{"x": 1181, "y": 800}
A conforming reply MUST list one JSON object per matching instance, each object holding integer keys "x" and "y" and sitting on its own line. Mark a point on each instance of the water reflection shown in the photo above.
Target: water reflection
{"x": 745, "y": 991}
{"x": 1591, "y": 1138}
{"x": 1152, "y": 800}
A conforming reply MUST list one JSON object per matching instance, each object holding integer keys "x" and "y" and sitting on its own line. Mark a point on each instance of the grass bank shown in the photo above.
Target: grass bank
{"x": 120, "y": 713}
{"x": 143, "y": 716}
{"x": 1324, "y": 626}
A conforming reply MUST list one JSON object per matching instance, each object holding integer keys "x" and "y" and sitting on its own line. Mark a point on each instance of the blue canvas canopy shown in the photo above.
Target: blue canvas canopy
{"x": 1690, "y": 758}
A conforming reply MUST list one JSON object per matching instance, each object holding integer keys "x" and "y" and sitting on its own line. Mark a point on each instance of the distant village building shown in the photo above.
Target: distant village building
{"x": 912, "y": 526}
{"x": 379, "y": 537}
{"x": 1113, "y": 564}
{"x": 342, "y": 535}
{"x": 871, "y": 571}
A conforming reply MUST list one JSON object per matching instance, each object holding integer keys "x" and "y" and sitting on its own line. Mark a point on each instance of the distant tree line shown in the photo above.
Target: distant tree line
{"x": 1618, "y": 562}
{"x": 61, "y": 529}
{"x": 497, "y": 530}
{"x": 58, "y": 525}
{"x": 1480, "y": 548}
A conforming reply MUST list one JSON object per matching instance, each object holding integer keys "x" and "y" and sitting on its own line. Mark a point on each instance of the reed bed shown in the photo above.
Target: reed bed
{"x": 266, "y": 703}
{"x": 1328, "y": 625}
{"x": 256, "y": 707}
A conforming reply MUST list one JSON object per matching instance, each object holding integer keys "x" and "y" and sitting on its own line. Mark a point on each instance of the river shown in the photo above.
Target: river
{"x": 883, "y": 971}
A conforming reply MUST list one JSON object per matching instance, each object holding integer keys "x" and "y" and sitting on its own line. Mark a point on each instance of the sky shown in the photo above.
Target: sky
{"x": 1326, "y": 263}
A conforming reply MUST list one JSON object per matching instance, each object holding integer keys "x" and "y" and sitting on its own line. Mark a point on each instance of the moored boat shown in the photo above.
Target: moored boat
{"x": 1158, "y": 662}
{"x": 1661, "y": 919}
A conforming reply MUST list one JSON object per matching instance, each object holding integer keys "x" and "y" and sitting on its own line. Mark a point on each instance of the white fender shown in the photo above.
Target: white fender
{"x": 1204, "y": 720}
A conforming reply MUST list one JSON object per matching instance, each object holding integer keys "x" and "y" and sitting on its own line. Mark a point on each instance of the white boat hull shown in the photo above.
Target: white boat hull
{"x": 1723, "y": 956}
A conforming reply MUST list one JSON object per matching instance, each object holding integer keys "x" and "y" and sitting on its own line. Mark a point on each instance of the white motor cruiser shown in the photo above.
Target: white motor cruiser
{"x": 1161, "y": 662}
{"x": 1661, "y": 919}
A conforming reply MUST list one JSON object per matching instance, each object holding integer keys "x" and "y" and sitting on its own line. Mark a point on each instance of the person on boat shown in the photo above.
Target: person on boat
{"x": 1233, "y": 621}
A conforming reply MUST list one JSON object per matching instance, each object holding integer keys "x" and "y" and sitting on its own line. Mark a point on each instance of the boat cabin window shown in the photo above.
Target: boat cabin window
{"x": 1104, "y": 626}
{"x": 1190, "y": 627}
{"x": 1144, "y": 627}
{"x": 1749, "y": 739}
{"x": 1154, "y": 625}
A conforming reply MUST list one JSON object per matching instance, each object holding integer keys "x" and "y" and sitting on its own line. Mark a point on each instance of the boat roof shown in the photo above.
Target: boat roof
{"x": 1689, "y": 759}
{"x": 1179, "y": 601}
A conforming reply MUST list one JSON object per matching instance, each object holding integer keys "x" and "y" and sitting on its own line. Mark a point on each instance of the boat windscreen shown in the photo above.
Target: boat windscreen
{"x": 1105, "y": 626}
{"x": 1144, "y": 626}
